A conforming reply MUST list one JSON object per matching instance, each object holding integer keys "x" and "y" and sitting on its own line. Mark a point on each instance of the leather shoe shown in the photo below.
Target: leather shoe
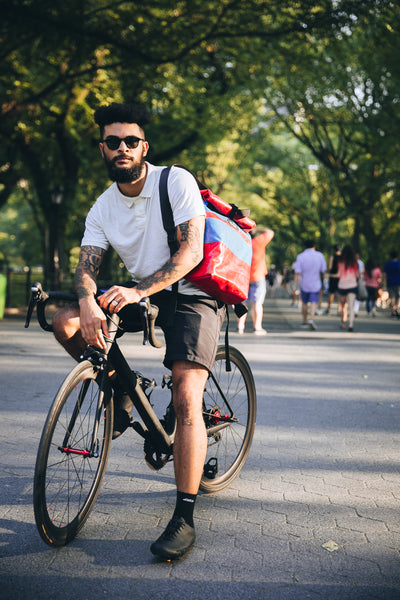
{"x": 176, "y": 540}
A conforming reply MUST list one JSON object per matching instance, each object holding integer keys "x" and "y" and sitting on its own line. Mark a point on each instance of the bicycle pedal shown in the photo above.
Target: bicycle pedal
{"x": 211, "y": 468}
{"x": 145, "y": 383}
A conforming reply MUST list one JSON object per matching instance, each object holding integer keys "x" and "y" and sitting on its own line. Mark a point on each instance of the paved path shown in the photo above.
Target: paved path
{"x": 314, "y": 513}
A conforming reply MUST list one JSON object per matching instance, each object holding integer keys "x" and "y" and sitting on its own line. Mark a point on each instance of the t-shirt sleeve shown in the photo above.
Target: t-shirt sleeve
{"x": 184, "y": 195}
{"x": 94, "y": 234}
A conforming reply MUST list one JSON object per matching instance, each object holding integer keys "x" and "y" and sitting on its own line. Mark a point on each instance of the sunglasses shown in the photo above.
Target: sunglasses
{"x": 113, "y": 142}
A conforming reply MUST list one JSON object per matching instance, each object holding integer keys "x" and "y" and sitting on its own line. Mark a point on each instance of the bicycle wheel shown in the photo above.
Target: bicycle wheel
{"x": 229, "y": 410}
{"x": 72, "y": 456}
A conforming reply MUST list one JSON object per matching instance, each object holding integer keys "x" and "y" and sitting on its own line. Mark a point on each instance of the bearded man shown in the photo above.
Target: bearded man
{"x": 127, "y": 216}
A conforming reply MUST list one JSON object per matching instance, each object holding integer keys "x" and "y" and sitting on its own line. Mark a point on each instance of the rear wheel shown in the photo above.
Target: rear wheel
{"x": 72, "y": 455}
{"x": 229, "y": 411}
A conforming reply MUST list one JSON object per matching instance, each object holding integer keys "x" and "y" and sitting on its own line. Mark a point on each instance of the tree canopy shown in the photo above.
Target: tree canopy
{"x": 291, "y": 107}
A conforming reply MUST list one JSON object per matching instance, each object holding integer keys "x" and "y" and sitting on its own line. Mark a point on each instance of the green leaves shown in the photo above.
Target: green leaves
{"x": 289, "y": 107}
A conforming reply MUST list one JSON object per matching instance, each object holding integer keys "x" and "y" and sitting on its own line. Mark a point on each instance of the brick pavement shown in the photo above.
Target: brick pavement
{"x": 313, "y": 514}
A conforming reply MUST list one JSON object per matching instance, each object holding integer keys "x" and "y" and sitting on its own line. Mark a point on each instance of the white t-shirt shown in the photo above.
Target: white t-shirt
{"x": 133, "y": 225}
{"x": 311, "y": 265}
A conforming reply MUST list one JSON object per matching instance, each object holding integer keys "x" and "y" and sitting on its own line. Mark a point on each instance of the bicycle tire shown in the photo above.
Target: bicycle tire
{"x": 66, "y": 483}
{"x": 228, "y": 448}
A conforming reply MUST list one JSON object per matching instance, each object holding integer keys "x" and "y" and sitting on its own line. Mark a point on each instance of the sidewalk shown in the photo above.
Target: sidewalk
{"x": 313, "y": 514}
{"x": 280, "y": 317}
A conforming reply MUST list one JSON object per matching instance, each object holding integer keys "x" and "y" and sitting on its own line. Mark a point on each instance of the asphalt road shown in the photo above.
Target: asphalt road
{"x": 313, "y": 514}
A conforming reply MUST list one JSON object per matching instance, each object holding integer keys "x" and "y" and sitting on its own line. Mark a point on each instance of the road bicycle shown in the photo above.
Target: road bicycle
{"x": 76, "y": 438}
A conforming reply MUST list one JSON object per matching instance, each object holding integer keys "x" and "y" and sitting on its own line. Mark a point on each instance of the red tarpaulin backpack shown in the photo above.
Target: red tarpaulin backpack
{"x": 224, "y": 272}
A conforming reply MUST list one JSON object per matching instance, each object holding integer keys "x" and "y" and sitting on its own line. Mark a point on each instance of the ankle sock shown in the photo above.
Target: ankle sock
{"x": 185, "y": 506}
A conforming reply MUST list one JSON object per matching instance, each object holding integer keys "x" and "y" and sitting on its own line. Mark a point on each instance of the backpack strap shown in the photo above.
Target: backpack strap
{"x": 166, "y": 211}
{"x": 169, "y": 226}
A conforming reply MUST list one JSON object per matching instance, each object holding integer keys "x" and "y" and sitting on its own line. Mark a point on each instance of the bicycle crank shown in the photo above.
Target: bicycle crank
{"x": 155, "y": 459}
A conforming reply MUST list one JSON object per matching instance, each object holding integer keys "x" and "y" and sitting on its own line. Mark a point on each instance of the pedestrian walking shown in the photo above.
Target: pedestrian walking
{"x": 392, "y": 282}
{"x": 261, "y": 237}
{"x": 373, "y": 281}
{"x": 348, "y": 275}
{"x": 309, "y": 270}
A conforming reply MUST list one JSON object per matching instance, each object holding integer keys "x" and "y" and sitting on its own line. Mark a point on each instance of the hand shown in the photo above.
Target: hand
{"x": 93, "y": 322}
{"x": 117, "y": 297}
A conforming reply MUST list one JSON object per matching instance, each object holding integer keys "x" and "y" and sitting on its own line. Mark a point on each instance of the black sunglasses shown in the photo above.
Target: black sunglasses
{"x": 113, "y": 142}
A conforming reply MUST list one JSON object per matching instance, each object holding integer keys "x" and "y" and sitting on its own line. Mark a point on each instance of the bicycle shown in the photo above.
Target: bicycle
{"x": 76, "y": 437}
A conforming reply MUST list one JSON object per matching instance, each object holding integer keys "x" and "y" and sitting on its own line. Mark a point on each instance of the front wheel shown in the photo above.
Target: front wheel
{"x": 72, "y": 455}
{"x": 229, "y": 410}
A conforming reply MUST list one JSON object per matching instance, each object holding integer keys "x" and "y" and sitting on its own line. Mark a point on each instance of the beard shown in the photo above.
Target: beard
{"x": 124, "y": 174}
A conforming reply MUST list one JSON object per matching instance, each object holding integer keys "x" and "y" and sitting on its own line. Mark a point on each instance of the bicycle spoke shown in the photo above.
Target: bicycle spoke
{"x": 228, "y": 394}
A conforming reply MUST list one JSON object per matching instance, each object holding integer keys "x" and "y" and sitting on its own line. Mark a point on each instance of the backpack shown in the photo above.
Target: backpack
{"x": 224, "y": 272}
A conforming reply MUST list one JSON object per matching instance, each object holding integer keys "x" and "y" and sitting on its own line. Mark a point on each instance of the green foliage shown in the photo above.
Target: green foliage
{"x": 290, "y": 108}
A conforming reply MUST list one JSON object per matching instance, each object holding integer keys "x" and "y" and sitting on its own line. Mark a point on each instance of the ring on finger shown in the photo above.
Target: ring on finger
{"x": 114, "y": 303}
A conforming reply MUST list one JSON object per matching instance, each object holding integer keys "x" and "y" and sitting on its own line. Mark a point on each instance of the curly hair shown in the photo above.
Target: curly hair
{"x": 121, "y": 113}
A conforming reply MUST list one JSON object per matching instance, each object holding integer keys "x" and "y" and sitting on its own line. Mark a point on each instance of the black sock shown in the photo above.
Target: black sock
{"x": 185, "y": 506}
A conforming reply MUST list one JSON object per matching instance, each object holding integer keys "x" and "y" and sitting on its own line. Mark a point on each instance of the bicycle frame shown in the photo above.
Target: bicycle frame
{"x": 129, "y": 380}
{"x": 102, "y": 360}
{"x": 76, "y": 438}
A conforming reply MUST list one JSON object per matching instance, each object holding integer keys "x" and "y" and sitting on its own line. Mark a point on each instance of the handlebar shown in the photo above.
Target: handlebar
{"x": 40, "y": 299}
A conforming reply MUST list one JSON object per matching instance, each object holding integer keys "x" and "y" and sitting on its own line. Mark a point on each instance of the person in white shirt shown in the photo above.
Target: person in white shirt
{"x": 127, "y": 216}
{"x": 310, "y": 268}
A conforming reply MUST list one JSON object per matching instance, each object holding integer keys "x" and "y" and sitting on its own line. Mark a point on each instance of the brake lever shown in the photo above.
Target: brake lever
{"x": 30, "y": 311}
{"x": 38, "y": 295}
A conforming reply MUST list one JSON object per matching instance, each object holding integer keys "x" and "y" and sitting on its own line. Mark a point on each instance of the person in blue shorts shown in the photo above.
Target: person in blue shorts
{"x": 310, "y": 268}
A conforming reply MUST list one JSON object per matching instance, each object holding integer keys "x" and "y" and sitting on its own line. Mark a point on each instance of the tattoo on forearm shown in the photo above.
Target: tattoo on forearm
{"x": 190, "y": 234}
{"x": 87, "y": 270}
{"x": 166, "y": 271}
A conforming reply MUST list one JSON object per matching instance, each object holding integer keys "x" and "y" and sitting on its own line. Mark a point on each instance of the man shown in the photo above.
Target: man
{"x": 310, "y": 268}
{"x": 392, "y": 282}
{"x": 127, "y": 216}
{"x": 261, "y": 237}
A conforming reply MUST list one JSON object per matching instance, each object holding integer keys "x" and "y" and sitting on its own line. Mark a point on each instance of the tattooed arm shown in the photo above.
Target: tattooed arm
{"x": 92, "y": 319}
{"x": 87, "y": 270}
{"x": 190, "y": 237}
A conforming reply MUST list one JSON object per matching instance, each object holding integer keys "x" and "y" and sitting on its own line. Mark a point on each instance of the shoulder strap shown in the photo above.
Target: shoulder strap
{"x": 169, "y": 226}
{"x": 166, "y": 211}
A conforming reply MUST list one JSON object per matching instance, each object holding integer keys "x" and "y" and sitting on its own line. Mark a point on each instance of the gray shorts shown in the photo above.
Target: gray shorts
{"x": 191, "y": 330}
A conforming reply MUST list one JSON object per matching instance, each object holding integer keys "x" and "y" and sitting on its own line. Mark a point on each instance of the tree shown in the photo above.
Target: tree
{"x": 192, "y": 63}
{"x": 349, "y": 118}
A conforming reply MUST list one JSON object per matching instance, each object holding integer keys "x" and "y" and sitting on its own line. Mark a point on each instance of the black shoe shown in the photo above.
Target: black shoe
{"x": 122, "y": 414}
{"x": 176, "y": 540}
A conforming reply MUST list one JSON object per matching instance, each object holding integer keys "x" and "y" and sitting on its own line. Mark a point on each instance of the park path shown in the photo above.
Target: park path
{"x": 313, "y": 514}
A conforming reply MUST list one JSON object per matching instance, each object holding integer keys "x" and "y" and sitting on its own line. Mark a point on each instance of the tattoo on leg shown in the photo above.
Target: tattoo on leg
{"x": 183, "y": 414}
